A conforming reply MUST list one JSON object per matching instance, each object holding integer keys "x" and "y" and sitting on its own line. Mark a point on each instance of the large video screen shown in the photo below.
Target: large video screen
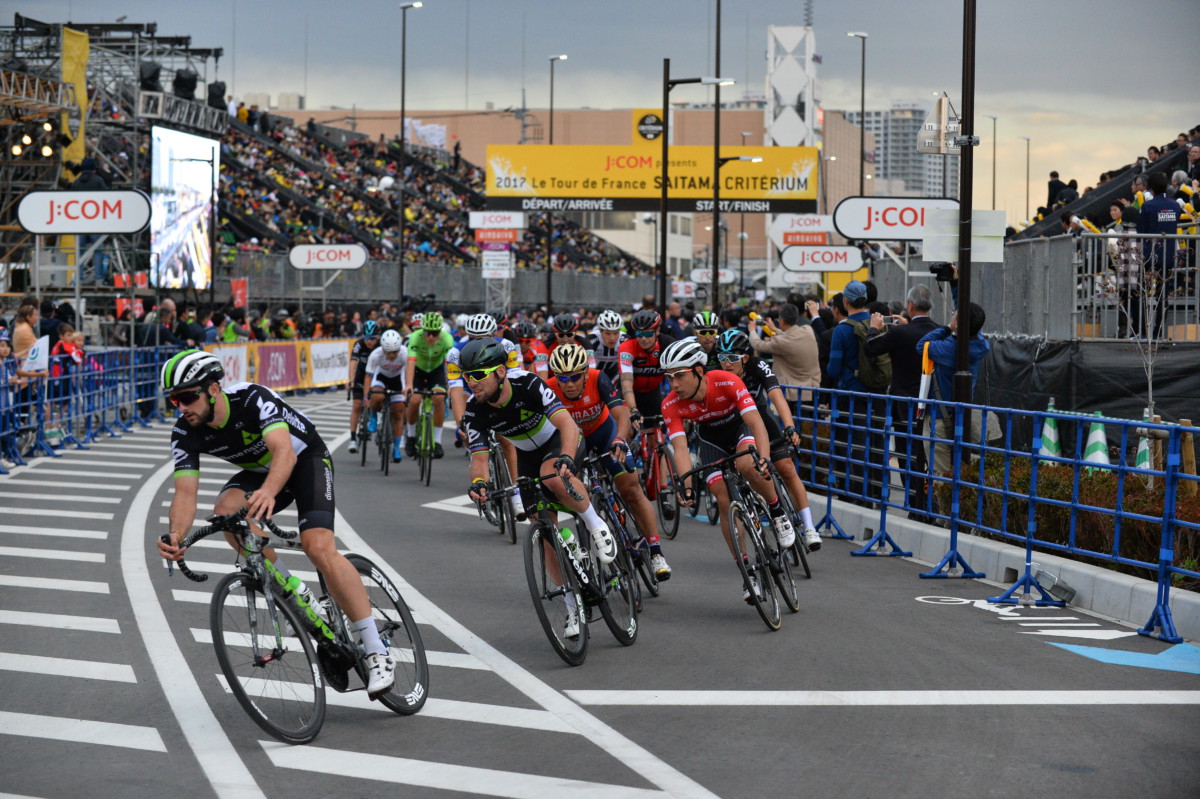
{"x": 183, "y": 189}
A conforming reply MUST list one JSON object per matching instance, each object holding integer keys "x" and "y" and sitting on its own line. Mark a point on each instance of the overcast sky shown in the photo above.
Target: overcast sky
{"x": 1092, "y": 82}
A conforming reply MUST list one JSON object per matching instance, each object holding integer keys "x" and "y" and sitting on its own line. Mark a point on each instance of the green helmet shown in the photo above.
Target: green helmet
{"x": 432, "y": 321}
{"x": 706, "y": 320}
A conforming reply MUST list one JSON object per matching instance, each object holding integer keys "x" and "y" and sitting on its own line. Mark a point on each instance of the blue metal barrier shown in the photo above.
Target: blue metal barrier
{"x": 980, "y": 485}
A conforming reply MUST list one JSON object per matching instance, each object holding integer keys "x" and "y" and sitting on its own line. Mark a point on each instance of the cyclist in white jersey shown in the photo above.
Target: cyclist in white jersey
{"x": 385, "y": 369}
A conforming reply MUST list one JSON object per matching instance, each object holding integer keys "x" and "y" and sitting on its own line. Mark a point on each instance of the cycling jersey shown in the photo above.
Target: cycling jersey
{"x": 643, "y": 364}
{"x": 536, "y": 358}
{"x": 454, "y": 371}
{"x": 524, "y": 419}
{"x": 429, "y": 355}
{"x": 726, "y": 401}
{"x": 358, "y": 356}
{"x": 759, "y": 380}
{"x": 607, "y": 358}
{"x": 382, "y": 367}
{"x": 590, "y": 408}
{"x": 254, "y": 411}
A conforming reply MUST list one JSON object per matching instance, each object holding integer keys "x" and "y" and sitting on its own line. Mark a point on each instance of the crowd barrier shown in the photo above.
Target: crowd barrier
{"x": 1139, "y": 509}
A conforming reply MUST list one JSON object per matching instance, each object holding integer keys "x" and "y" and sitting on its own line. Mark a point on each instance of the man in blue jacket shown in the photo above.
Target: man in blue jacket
{"x": 863, "y": 439}
{"x": 943, "y": 351}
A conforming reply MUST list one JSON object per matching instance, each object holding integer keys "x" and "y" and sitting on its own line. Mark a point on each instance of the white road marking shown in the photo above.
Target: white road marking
{"x": 51, "y": 554}
{"x": 66, "y": 514}
{"x": 309, "y": 577}
{"x": 81, "y": 731}
{"x": 120, "y": 445}
{"x": 83, "y": 586}
{"x": 52, "y": 468}
{"x": 1053, "y": 625}
{"x": 880, "y": 698}
{"x": 117, "y": 457}
{"x": 61, "y": 532}
{"x": 447, "y": 776}
{"x": 70, "y": 498}
{"x": 66, "y": 667}
{"x": 69, "y": 484}
{"x": 1095, "y": 635}
{"x": 452, "y": 508}
{"x": 59, "y": 621}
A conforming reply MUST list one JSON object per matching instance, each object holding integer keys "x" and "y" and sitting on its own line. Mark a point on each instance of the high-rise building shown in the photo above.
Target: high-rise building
{"x": 291, "y": 101}
{"x": 896, "y": 157}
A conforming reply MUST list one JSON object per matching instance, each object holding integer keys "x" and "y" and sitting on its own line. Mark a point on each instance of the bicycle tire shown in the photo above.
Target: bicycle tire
{"x": 666, "y": 500}
{"x": 284, "y": 695}
{"x": 385, "y": 443}
{"x": 797, "y": 552}
{"x": 426, "y": 449}
{"x": 549, "y": 600}
{"x": 400, "y": 635}
{"x": 711, "y": 508}
{"x": 780, "y": 559}
{"x": 750, "y": 563}
{"x": 620, "y": 605}
{"x": 638, "y": 556}
{"x": 503, "y": 479}
{"x": 364, "y": 438}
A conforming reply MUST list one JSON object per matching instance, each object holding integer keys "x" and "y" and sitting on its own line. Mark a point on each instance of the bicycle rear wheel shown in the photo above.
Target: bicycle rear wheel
{"x": 277, "y": 682}
{"x": 666, "y": 500}
{"x": 364, "y": 438}
{"x": 550, "y": 592}
{"x": 620, "y": 605}
{"x": 797, "y": 552}
{"x": 400, "y": 635}
{"x": 752, "y": 563}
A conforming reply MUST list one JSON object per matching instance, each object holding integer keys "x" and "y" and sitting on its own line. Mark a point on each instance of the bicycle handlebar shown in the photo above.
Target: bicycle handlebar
{"x": 719, "y": 464}
{"x": 228, "y": 523}
{"x": 530, "y": 482}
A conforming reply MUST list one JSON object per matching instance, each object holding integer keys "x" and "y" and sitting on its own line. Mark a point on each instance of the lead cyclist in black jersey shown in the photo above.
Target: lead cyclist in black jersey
{"x": 282, "y": 459}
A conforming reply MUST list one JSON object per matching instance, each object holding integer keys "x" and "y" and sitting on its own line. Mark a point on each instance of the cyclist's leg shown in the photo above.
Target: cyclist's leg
{"x": 707, "y": 452}
{"x": 605, "y": 543}
{"x": 232, "y": 498}
{"x": 356, "y": 403}
{"x": 439, "y": 412}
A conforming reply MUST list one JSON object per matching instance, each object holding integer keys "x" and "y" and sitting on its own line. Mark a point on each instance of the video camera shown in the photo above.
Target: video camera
{"x": 943, "y": 271}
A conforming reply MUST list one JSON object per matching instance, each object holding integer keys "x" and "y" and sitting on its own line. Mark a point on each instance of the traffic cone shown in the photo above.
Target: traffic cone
{"x": 1141, "y": 458}
{"x": 1050, "y": 445}
{"x": 1096, "y": 450}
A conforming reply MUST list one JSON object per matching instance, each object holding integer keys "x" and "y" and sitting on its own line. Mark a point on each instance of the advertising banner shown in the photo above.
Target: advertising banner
{"x": 275, "y": 365}
{"x": 328, "y": 256}
{"x": 59, "y": 212}
{"x": 497, "y": 219}
{"x": 325, "y": 363}
{"x": 233, "y": 360}
{"x": 240, "y": 289}
{"x": 886, "y": 218}
{"x": 608, "y": 178}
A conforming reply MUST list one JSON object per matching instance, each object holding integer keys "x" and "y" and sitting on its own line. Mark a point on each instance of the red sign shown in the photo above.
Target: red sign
{"x": 240, "y": 288}
{"x": 123, "y": 303}
{"x": 277, "y": 366}
{"x": 796, "y": 237}
{"x": 495, "y": 235}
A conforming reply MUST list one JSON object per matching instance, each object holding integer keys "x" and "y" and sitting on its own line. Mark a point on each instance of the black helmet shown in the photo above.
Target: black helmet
{"x": 735, "y": 341}
{"x": 645, "y": 319}
{"x": 565, "y": 324}
{"x": 482, "y": 353}
{"x": 526, "y": 329}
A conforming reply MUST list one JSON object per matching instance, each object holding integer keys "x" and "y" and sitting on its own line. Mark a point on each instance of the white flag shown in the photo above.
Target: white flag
{"x": 38, "y": 359}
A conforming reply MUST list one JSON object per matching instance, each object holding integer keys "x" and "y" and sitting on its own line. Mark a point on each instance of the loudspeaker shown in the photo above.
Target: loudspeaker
{"x": 148, "y": 75}
{"x": 216, "y": 95}
{"x": 184, "y": 84}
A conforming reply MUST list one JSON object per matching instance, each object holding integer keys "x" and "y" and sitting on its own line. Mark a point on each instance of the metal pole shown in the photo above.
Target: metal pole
{"x": 549, "y": 266}
{"x": 962, "y": 377}
{"x": 552, "y": 60}
{"x": 993, "y": 118}
{"x": 403, "y": 77}
{"x": 862, "y": 118}
{"x": 716, "y": 261}
{"x": 662, "y": 200}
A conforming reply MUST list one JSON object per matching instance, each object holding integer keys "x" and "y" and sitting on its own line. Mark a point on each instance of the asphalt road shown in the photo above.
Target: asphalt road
{"x": 884, "y": 685}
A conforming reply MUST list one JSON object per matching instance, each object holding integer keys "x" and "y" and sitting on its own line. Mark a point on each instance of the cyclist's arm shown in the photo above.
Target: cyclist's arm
{"x": 410, "y": 370}
{"x": 458, "y": 403}
{"x": 479, "y": 466}
{"x": 780, "y": 404}
{"x": 183, "y": 508}
{"x": 621, "y": 414}
{"x": 278, "y": 439}
{"x": 683, "y": 458}
{"x": 627, "y": 390}
{"x": 568, "y": 431}
{"x": 754, "y": 424}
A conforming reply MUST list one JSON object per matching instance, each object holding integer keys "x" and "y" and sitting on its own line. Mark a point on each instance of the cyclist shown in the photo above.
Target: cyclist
{"x": 641, "y": 374}
{"x": 534, "y": 355}
{"x": 736, "y": 357}
{"x": 604, "y": 343}
{"x": 477, "y": 326}
{"x": 358, "y": 366}
{"x": 566, "y": 329}
{"x": 604, "y": 423}
{"x": 727, "y": 422}
{"x": 426, "y": 371}
{"x": 283, "y": 459}
{"x": 385, "y": 368}
{"x": 706, "y": 326}
{"x": 521, "y": 408}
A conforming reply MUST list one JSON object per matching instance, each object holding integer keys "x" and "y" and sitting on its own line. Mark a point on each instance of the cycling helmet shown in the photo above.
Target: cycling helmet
{"x": 706, "y": 320}
{"x": 526, "y": 329}
{"x": 608, "y": 320}
{"x": 482, "y": 353}
{"x": 681, "y": 354}
{"x": 391, "y": 341}
{"x": 190, "y": 369}
{"x": 645, "y": 319}
{"x": 500, "y": 316}
{"x": 431, "y": 322}
{"x": 565, "y": 324}
{"x": 568, "y": 359}
{"x": 371, "y": 329}
{"x": 734, "y": 340}
{"x": 481, "y": 324}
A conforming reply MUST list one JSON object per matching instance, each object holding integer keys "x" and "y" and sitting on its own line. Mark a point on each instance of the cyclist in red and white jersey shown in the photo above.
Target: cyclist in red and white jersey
{"x": 641, "y": 374}
{"x": 534, "y": 355}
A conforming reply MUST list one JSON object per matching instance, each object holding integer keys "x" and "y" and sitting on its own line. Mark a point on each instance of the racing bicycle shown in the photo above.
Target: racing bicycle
{"x": 658, "y": 474}
{"x": 425, "y": 435}
{"x": 621, "y": 521}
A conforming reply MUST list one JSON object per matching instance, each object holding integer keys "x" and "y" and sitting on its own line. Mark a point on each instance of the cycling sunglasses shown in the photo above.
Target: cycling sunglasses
{"x": 184, "y": 398}
{"x": 571, "y": 378}
{"x": 529, "y": 340}
{"x": 645, "y": 333}
{"x": 476, "y": 375}
{"x": 706, "y": 333}
{"x": 728, "y": 357}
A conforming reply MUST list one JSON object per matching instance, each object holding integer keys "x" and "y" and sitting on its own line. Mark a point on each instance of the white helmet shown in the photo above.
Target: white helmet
{"x": 608, "y": 320}
{"x": 481, "y": 324}
{"x": 391, "y": 341}
{"x": 680, "y": 354}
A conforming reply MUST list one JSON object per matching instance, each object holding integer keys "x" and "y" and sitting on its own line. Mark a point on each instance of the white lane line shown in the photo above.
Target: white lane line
{"x": 1056, "y": 624}
{"x": 452, "y": 508}
{"x": 1094, "y": 635}
{"x": 52, "y": 469}
{"x": 227, "y": 775}
{"x": 66, "y": 514}
{"x": 117, "y": 457}
{"x": 65, "y": 667}
{"x": 287, "y": 517}
{"x": 1014, "y": 617}
{"x": 70, "y": 498}
{"x": 447, "y": 776}
{"x": 69, "y": 484}
{"x": 81, "y": 731}
{"x": 881, "y": 698}
{"x": 62, "y": 532}
{"x": 51, "y": 554}
{"x": 83, "y": 586}
{"x": 59, "y": 621}
{"x": 112, "y": 444}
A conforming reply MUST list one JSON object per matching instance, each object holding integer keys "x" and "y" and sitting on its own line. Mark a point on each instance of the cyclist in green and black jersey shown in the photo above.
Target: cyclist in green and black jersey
{"x": 426, "y": 371}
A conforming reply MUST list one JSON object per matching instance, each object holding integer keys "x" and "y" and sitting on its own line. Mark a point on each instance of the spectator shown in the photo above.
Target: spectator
{"x": 159, "y": 327}
{"x": 674, "y": 321}
{"x": 943, "y": 351}
{"x": 1053, "y": 188}
{"x": 1152, "y": 154}
{"x": 861, "y": 412}
{"x": 47, "y": 325}
{"x": 793, "y": 348}
{"x": 1068, "y": 194}
{"x": 1193, "y": 163}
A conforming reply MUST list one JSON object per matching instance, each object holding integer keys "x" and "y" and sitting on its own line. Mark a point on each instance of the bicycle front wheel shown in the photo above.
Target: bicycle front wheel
{"x": 426, "y": 447}
{"x": 364, "y": 438}
{"x": 753, "y": 565}
{"x": 620, "y": 605}
{"x": 400, "y": 635}
{"x": 385, "y": 443}
{"x": 666, "y": 499}
{"x": 503, "y": 511}
{"x": 638, "y": 556}
{"x": 275, "y": 678}
{"x": 554, "y": 595}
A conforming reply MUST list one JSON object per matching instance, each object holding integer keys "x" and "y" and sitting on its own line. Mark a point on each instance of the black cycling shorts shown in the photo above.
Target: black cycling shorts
{"x": 310, "y": 487}
{"x": 715, "y": 444}
{"x": 431, "y": 382}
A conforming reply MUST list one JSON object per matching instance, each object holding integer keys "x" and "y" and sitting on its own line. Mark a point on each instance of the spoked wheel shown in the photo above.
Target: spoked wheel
{"x": 400, "y": 635}
{"x": 781, "y": 567}
{"x": 502, "y": 511}
{"x": 364, "y": 438}
{"x": 753, "y": 564}
{"x": 276, "y": 680}
{"x": 711, "y": 508}
{"x": 798, "y": 551}
{"x": 666, "y": 500}
{"x": 621, "y": 593}
{"x": 551, "y": 586}
{"x": 426, "y": 448}
{"x": 385, "y": 445}
{"x": 639, "y": 556}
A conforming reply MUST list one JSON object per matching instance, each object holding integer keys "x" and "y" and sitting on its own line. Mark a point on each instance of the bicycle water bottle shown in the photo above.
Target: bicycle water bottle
{"x": 569, "y": 540}
{"x": 302, "y": 597}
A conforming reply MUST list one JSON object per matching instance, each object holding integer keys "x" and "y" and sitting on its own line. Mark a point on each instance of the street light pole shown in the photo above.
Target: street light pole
{"x": 716, "y": 211}
{"x": 993, "y": 118}
{"x": 404, "y": 7}
{"x": 553, "y": 59}
{"x": 862, "y": 110}
{"x": 1026, "y": 138}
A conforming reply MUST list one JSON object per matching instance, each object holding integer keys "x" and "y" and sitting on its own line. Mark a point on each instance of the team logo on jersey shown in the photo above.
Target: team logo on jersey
{"x": 248, "y": 438}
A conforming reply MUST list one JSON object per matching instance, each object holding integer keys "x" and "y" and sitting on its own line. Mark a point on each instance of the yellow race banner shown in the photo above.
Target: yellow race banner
{"x": 608, "y": 178}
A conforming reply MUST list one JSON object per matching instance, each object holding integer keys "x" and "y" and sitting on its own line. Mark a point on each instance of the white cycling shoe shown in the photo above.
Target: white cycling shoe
{"x": 787, "y": 533}
{"x": 812, "y": 539}
{"x": 606, "y": 545}
{"x": 381, "y": 674}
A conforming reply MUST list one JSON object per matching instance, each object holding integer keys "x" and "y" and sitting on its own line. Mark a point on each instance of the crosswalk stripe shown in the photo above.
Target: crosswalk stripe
{"x": 82, "y": 586}
{"x": 116, "y": 457}
{"x": 52, "y": 469}
{"x": 59, "y": 621}
{"x": 70, "y": 498}
{"x": 65, "y": 667}
{"x": 69, "y": 484}
{"x": 452, "y": 508}
{"x": 81, "y": 731}
{"x": 51, "y": 554}
{"x": 880, "y": 698}
{"x": 447, "y": 776}
{"x": 69, "y": 514}
{"x": 120, "y": 445}
{"x": 62, "y": 532}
